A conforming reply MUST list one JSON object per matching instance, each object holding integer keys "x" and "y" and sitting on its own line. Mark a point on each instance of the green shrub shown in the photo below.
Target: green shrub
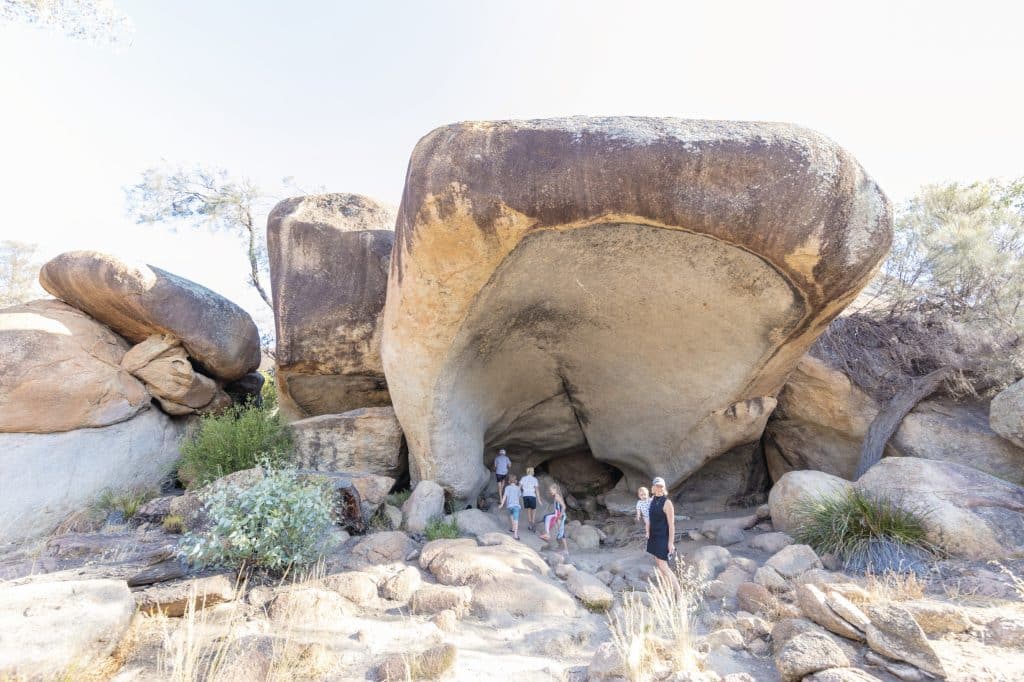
{"x": 398, "y": 499}
{"x": 238, "y": 438}
{"x": 439, "y": 528}
{"x": 173, "y": 523}
{"x": 864, "y": 532}
{"x": 127, "y": 502}
{"x": 277, "y": 523}
{"x": 268, "y": 394}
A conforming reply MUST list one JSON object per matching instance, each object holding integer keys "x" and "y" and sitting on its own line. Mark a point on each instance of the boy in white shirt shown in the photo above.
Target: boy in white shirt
{"x": 530, "y": 485}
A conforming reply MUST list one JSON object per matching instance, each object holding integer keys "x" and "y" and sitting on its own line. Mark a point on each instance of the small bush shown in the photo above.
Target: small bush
{"x": 238, "y": 438}
{"x": 866, "y": 533}
{"x": 173, "y": 523}
{"x": 127, "y": 502}
{"x": 278, "y": 523}
{"x": 398, "y": 499}
{"x": 268, "y": 394}
{"x": 438, "y": 529}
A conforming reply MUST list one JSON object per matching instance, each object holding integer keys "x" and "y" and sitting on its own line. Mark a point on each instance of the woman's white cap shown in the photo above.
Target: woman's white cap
{"x": 658, "y": 481}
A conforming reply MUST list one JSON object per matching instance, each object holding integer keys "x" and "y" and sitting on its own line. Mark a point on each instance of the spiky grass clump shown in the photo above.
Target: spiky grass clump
{"x": 865, "y": 532}
{"x": 653, "y": 631}
{"x": 438, "y": 529}
{"x": 126, "y": 502}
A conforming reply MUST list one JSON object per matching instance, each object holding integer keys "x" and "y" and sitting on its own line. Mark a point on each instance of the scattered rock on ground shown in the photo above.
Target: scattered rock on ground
{"x": 806, "y": 654}
{"x": 431, "y": 664}
{"x": 431, "y": 599}
{"x": 814, "y": 605}
{"x": 770, "y": 542}
{"x": 358, "y": 587}
{"x": 593, "y": 593}
{"x": 938, "y": 618}
{"x": 793, "y": 561}
{"x": 401, "y": 586}
{"x": 894, "y": 633}
{"x": 384, "y": 547}
{"x": 755, "y": 598}
{"x": 425, "y": 504}
{"x": 795, "y": 486}
{"x": 606, "y": 665}
{"x": 49, "y": 626}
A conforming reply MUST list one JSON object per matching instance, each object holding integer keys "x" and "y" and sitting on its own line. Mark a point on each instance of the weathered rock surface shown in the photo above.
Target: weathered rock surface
{"x": 796, "y": 486}
{"x": 793, "y": 561}
{"x": 424, "y": 504}
{"x": 162, "y": 364}
{"x": 172, "y": 599}
{"x": 815, "y": 606}
{"x": 384, "y": 548}
{"x": 520, "y": 251}
{"x": 822, "y": 419}
{"x": 593, "y": 593}
{"x": 60, "y": 371}
{"x": 842, "y": 675}
{"x": 505, "y": 578}
{"x": 46, "y": 476}
{"x": 137, "y": 301}
{"x": 894, "y": 634}
{"x": 401, "y": 585}
{"x": 368, "y": 439}
{"x": 969, "y": 513}
{"x": 806, "y": 654}
{"x": 1006, "y": 413}
{"x": 48, "y": 627}
{"x": 329, "y": 258}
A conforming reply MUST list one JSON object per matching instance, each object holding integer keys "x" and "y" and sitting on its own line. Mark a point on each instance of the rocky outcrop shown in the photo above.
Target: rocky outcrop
{"x": 637, "y": 287}
{"x": 48, "y": 476}
{"x": 368, "y": 439}
{"x": 59, "y": 371}
{"x": 162, "y": 364}
{"x": 329, "y": 257}
{"x": 965, "y": 512}
{"x": 53, "y": 630}
{"x": 137, "y": 301}
{"x": 822, "y": 419}
{"x": 1006, "y": 413}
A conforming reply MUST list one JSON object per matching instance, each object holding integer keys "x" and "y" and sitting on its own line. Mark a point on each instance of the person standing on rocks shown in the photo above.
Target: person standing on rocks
{"x": 530, "y": 485}
{"x": 555, "y": 521}
{"x": 661, "y": 529}
{"x": 512, "y": 499}
{"x": 501, "y": 466}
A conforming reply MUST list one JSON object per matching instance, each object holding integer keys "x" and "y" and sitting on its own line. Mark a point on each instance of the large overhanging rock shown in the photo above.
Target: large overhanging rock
{"x": 329, "y": 257}
{"x": 59, "y": 371}
{"x": 635, "y": 287}
{"x": 138, "y": 300}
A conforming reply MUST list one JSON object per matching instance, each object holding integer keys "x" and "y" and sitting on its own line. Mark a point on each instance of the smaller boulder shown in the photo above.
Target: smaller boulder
{"x": 770, "y": 542}
{"x": 593, "y": 593}
{"x": 755, "y": 598}
{"x": 431, "y": 664}
{"x": 894, "y": 633}
{"x": 842, "y": 675}
{"x": 938, "y": 618}
{"x": 431, "y": 599}
{"x": 710, "y": 559}
{"x": 311, "y": 608}
{"x": 795, "y": 486}
{"x": 425, "y": 504}
{"x": 384, "y": 548}
{"x": 814, "y": 605}
{"x": 477, "y": 522}
{"x": 606, "y": 665}
{"x": 587, "y": 537}
{"x": 358, "y": 587}
{"x": 400, "y": 587}
{"x": 1006, "y": 413}
{"x": 793, "y": 561}
{"x": 768, "y": 577}
{"x": 806, "y": 654}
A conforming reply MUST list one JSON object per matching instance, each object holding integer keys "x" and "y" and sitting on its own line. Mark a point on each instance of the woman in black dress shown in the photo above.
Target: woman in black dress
{"x": 661, "y": 529}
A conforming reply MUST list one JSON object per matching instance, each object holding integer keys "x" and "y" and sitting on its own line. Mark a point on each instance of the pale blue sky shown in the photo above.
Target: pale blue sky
{"x": 337, "y": 93}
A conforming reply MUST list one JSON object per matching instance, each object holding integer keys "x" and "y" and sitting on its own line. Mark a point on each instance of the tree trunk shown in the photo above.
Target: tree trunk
{"x": 888, "y": 420}
{"x": 254, "y": 266}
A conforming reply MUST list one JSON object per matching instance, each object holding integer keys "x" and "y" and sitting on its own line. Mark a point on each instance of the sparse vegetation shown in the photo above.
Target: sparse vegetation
{"x": 893, "y": 586}
{"x": 397, "y": 499}
{"x": 866, "y": 533}
{"x": 653, "y": 631}
{"x": 173, "y": 523}
{"x": 278, "y": 523}
{"x": 239, "y": 438}
{"x": 438, "y": 529}
{"x": 427, "y": 665}
{"x": 268, "y": 394}
{"x": 126, "y": 502}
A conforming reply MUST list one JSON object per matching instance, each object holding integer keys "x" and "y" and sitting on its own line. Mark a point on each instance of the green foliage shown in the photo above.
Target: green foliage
{"x": 239, "y": 438}
{"x": 851, "y": 523}
{"x": 127, "y": 502}
{"x": 268, "y": 394}
{"x": 173, "y": 523}
{"x": 438, "y": 529}
{"x": 278, "y": 523}
{"x": 397, "y": 499}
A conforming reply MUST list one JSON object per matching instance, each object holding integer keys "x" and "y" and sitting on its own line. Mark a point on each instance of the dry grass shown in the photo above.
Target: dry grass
{"x": 654, "y": 630}
{"x": 892, "y": 586}
{"x": 1016, "y": 581}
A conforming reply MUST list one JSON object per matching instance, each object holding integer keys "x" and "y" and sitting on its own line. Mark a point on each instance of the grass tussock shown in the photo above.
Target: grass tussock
{"x": 439, "y": 529}
{"x": 126, "y": 502}
{"x": 892, "y": 586}
{"x": 866, "y": 533}
{"x": 397, "y": 499}
{"x": 653, "y": 632}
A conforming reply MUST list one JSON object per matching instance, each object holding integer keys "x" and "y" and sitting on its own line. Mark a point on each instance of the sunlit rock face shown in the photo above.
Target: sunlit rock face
{"x": 329, "y": 257}
{"x": 634, "y": 288}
